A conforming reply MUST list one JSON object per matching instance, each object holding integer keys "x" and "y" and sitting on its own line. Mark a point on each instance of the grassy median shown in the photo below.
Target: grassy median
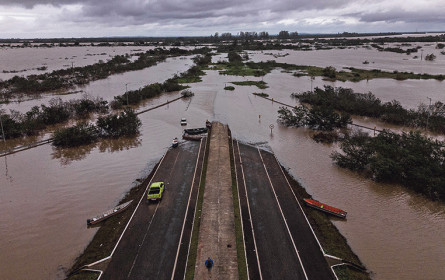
{"x": 193, "y": 251}
{"x": 239, "y": 234}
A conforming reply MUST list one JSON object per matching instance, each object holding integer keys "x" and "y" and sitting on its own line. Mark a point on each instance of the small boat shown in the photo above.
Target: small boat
{"x": 109, "y": 213}
{"x": 325, "y": 208}
{"x": 175, "y": 142}
{"x": 191, "y": 137}
{"x": 195, "y": 131}
{"x": 183, "y": 121}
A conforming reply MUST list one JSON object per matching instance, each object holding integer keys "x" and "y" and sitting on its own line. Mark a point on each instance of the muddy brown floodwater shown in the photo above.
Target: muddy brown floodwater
{"x": 47, "y": 194}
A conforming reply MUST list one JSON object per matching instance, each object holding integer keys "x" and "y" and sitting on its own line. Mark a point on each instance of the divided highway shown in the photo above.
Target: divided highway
{"x": 280, "y": 244}
{"x": 155, "y": 245}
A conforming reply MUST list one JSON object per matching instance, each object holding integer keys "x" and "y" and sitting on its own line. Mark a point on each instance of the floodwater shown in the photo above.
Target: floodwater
{"x": 47, "y": 194}
{"x": 114, "y": 85}
{"x": 354, "y": 57}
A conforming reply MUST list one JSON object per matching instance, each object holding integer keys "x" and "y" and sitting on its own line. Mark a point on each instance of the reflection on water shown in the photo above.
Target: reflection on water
{"x": 47, "y": 193}
{"x": 68, "y": 155}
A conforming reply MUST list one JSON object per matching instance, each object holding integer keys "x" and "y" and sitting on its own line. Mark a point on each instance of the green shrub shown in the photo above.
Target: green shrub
{"x": 126, "y": 123}
{"x": 80, "y": 134}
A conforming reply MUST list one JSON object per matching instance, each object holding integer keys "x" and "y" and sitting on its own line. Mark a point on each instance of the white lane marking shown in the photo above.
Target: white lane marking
{"x": 301, "y": 208}
{"x": 186, "y": 211}
{"x": 282, "y": 214}
{"x": 134, "y": 212}
{"x": 196, "y": 206}
{"x": 250, "y": 215}
{"x": 239, "y": 205}
{"x": 143, "y": 240}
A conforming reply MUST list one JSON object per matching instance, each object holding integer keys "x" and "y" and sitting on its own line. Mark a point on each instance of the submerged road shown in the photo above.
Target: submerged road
{"x": 155, "y": 245}
{"x": 280, "y": 244}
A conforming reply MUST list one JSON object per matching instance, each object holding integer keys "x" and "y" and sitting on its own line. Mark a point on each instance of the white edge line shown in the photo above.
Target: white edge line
{"x": 310, "y": 226}
{"x": 239, "y": 205}
{"x": 250, "y": 215}
{"x": 95, "y": 270}
{"x": 333, "y": 272}
{"x": 282, "y": 215}
{"x": 196, "y": 205}
{"x": 301, "y": 208}
{"x": 134, "y": 212}
{"x": 186, "y": 212}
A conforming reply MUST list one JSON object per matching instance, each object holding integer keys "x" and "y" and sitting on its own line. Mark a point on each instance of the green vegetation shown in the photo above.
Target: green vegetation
{"x": 68, "y": 78}
{"x": 193, "y": 74}
{"x": 330, "y": 73}
{"x": 410, "y": 159}
{"x": 113, "y": 126}
{"x": 109, "y": 231}
{"x": 241, "y": 257}
{"x": 318, "y": 117}
{"x": 261, "y": 94}
{"x": 396, "y": 50}
{"x": 325, "y": 136}
{"x": 80, "y": 134}
{"x": 229, "y": 88}
{"x": 346, "y": 100}
{"x": 259, "y": 84}
{"x": 193, "y": 251}
{"x": 84, "y": 275}
{"x": 38, "y": 118}
{"x": 348, "y": 273}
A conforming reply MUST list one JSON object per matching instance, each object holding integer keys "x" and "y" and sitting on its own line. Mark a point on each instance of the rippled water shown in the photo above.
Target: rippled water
{"x": 46, "y": 194}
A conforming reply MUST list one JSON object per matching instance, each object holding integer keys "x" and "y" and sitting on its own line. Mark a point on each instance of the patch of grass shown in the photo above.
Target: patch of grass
{"x": 348, "y": 273}
{"x": 229, "y": 88}
{"x": 241, "y": 257}
{"x": 330, "y": 238}
{"x": 84, "y": 275}
{"x": 259, "y": 84}
{"x": 261, "y": 94}
{"x": 240, "y": 69}
{"x": 193, "y": 251}
{"x": 187, "y": 80}
{"x": 353, "y": 74}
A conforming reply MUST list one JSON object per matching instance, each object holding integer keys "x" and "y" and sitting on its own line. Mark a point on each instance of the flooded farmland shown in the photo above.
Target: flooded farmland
{"x": 47, "y": 194}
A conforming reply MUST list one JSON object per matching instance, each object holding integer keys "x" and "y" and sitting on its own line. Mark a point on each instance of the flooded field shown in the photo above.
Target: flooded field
{"x": 47, "y": 194}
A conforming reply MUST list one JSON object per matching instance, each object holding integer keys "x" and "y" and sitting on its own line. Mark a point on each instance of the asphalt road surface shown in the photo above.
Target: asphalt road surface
{"x": 150, "y": 247}
{"x": 281, "y": 245}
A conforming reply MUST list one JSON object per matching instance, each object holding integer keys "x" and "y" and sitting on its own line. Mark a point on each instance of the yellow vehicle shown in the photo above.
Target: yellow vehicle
{"x": 155, "y": 191}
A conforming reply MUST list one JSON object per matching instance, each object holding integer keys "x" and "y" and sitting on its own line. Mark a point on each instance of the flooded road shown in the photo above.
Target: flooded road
{"x": 47, "y": 194}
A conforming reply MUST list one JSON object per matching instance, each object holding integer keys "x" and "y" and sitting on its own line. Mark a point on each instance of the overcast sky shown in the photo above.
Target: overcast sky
{"x": 94, "y": 18}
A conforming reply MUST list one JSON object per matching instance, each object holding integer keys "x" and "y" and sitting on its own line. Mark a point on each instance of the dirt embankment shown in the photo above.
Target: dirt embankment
{"x": 110, "y": 230}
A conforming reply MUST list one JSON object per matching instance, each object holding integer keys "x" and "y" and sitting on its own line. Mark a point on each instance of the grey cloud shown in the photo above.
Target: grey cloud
{"x": 433, "y": 16}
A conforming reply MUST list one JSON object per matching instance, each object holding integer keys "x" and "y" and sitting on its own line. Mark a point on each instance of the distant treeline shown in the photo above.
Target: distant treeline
{"x": 67, "y": 78}
{"x": 366, "y": 104}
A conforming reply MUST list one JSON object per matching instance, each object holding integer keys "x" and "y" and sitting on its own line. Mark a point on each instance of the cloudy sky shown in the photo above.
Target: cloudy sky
{"x": 93, "y": 18}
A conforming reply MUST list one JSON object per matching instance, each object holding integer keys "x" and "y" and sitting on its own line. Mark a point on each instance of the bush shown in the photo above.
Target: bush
{"x": 126, "y": 123}
{"x": 187, "y": 93}
{"x": 410, "y": 159}
{"x": 80, "y": 134}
